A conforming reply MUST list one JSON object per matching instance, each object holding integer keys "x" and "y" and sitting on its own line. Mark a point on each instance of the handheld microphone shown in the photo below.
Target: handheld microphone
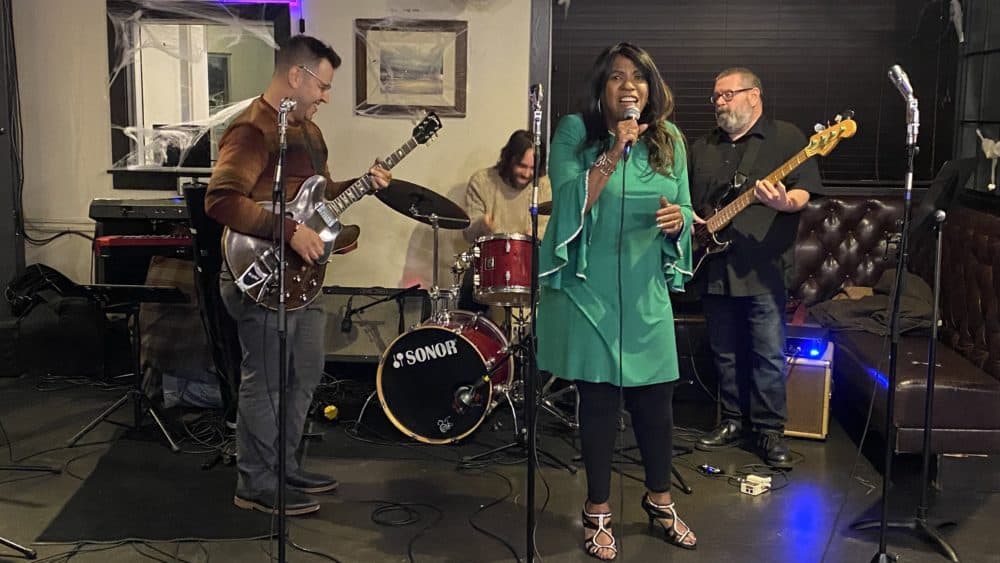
{"x": 632, "y": 113}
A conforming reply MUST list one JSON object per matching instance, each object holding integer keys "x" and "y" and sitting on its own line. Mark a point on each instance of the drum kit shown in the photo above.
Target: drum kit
{"x": 440, "y": 380}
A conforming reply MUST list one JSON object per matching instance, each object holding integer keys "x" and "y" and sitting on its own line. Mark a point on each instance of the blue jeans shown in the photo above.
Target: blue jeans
{"x": 257, "y": 418}
{"x": 747, "y": 337}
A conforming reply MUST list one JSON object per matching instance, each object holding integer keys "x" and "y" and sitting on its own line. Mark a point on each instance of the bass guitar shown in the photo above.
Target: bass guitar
{"x": 705, "y": 240}
{"x": 254, "y": 261}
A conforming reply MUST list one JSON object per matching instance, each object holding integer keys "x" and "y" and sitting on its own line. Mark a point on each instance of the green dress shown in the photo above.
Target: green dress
{"x": 578, "y": 312}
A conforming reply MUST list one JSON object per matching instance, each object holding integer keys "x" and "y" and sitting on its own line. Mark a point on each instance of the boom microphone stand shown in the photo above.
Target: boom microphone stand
{"x": 278, "y": 196}
{"x": 902, "y": 83}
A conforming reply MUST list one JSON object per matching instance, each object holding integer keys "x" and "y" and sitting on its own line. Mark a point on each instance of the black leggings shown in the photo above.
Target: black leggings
{"x": 651, "y": 407}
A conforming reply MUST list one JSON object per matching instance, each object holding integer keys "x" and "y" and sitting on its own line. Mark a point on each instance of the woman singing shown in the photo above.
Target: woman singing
{"x": 605, "y": 320}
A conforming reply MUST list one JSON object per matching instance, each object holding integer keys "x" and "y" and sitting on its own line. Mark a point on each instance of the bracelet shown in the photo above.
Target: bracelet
{"x": 604, "y": 165}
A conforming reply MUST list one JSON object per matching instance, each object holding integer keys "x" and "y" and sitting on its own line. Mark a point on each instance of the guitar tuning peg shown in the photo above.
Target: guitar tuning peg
{"x": 819, "y": 127}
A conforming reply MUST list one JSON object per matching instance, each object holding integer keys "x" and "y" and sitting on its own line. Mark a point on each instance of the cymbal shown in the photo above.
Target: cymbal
{"x": 545, "y": 208}
{"x": 418, "y": 202}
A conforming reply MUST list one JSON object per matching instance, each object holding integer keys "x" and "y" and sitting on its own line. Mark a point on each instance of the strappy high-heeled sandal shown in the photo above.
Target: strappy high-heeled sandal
{"x": 591, "y": 545}
{"x": 658, "y": 513}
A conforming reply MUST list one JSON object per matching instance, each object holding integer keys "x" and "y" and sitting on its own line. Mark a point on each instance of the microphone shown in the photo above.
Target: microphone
{"x": 901, "y": 81}
{"x": 287, "y": 104}
{"x": 466, "y": 395}
{"x": 632, "y": 113}
{"x": 345, "y": 323}
{"x": 536, "y": 121}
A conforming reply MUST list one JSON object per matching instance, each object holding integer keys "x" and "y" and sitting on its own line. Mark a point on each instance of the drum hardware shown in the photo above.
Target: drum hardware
{"x": 547, "y": 402}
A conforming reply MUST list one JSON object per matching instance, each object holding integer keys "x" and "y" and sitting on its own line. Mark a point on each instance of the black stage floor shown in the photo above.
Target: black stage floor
{"x": 418, "y": 502}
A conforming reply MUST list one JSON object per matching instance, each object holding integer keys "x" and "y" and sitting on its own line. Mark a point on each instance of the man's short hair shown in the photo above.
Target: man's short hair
{"x": 304, "y": 50}
{"x": 746, "y": 73}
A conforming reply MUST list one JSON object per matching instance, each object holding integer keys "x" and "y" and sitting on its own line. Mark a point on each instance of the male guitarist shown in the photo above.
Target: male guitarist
{"x": 244, "y": 174}
{"x": 744, "y": 288}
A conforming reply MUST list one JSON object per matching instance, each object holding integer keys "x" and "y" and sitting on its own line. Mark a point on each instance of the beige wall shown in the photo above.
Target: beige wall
{"x": 62, "y": 65}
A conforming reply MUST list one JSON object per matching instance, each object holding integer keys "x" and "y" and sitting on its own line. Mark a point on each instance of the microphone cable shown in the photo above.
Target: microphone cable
{"x": 345, "y": 323}
{"x": 621, "y": 351}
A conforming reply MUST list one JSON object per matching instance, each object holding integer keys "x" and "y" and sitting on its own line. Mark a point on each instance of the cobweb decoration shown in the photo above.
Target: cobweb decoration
{"x": 991, "y": 148}
{"x": 137, "y": 34}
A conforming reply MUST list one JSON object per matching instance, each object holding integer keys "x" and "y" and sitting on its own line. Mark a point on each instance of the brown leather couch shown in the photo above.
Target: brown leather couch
{"x": 852, "y": 240}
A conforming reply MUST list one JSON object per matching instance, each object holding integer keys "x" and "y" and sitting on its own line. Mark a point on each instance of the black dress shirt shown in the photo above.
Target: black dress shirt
{"x": 760, "y": 259}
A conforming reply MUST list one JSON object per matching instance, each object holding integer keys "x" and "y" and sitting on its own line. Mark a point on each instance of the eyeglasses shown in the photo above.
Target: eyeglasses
{"x": 728, "y": 94}
{"x": 324, "y": 86}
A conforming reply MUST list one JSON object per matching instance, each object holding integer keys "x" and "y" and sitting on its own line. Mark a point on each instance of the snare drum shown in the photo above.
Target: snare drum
{"x": 503, "y": 270}
{"x": 426, "y": 373}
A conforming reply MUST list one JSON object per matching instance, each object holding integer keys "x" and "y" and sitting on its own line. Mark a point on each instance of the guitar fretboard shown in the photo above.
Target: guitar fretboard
{"x": 722, "y": 218}
{"x": 363, "y": 185}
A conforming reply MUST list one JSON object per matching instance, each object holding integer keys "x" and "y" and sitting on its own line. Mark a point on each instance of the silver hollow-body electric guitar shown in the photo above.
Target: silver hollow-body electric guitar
{"x": 254, "y": 262}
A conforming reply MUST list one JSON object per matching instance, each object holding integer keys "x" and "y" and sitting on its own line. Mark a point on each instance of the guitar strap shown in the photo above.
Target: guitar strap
{"x": 746, "y": 163}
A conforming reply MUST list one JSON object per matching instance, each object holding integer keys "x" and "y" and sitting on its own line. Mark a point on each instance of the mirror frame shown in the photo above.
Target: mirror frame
{"x": 119, "y": 97}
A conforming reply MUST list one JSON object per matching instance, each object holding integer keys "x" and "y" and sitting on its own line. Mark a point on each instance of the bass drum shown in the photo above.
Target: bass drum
{"x": 426, "y": 376}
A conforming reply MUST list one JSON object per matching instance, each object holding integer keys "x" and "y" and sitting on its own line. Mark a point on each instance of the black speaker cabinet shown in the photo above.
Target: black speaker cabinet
{"x": 364, "y": 334}
{"x": 808, "y": 392}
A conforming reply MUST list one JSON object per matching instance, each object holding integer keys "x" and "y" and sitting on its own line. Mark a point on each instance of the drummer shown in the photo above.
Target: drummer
{"x": 497, "y": 200}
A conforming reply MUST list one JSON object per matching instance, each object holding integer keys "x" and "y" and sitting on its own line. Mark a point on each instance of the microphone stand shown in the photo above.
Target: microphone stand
{"x": 349, "y": 311}
{"x": 912, "y": 127}
{"x": 278, "y": 198}
{"x": 531, "y": 356}
{"x": 919, "y": 523}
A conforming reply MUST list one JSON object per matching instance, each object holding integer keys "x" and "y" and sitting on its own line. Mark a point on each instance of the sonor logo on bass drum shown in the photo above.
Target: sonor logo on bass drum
{"x": 425, "y": 353}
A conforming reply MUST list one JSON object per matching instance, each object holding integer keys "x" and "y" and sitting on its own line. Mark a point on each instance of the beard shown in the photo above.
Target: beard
{"x": 731, "y": 120}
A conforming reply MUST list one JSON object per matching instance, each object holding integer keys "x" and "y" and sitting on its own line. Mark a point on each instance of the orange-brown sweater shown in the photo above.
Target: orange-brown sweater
{"x": 244, "y": 171}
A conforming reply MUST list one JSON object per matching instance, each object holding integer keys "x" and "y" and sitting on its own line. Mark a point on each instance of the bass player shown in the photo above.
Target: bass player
{"x": 744, "y": 289}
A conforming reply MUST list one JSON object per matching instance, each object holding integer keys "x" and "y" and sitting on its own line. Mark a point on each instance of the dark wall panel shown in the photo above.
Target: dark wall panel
{"x": 979, "y": 84}
{"x": 815, "y": 58}
{"x": 11, "y": 245}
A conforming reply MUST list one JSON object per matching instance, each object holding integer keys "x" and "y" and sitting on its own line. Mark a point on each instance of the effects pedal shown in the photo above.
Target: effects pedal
{"x": 755, "y": 485}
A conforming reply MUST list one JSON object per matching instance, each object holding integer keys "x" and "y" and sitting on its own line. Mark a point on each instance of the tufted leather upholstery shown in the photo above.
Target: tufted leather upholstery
{"x": 970, "y": 280}
{"x": 843, "y": 241}
{"x": 967, "y": 379}
{"x": 851, "y": 240}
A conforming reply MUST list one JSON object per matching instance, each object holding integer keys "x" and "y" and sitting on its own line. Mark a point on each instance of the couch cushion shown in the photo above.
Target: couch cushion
{"x": 965, "y": 397}
{"x": 843, "y": 241}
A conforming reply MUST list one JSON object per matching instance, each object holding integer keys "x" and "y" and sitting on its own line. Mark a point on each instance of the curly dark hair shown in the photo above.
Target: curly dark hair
{"x": 659, "y": 106}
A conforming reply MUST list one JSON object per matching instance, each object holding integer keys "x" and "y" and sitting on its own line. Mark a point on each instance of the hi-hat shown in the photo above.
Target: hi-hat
{"x": 420, "y": 203}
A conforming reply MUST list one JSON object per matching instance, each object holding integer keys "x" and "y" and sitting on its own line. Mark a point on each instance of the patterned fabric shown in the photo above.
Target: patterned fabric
{"x": 173, "y": 337}
{"x": 244, "y": 171}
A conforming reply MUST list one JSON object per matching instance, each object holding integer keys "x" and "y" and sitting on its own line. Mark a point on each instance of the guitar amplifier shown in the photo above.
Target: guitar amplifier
{"x": 362, "y": 336}
{"x": 808, "y": 390}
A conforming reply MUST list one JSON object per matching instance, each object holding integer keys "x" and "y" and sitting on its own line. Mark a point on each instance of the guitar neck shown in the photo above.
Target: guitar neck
{"x": 725, "y": 215}
{"x": 363, "y": 185}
